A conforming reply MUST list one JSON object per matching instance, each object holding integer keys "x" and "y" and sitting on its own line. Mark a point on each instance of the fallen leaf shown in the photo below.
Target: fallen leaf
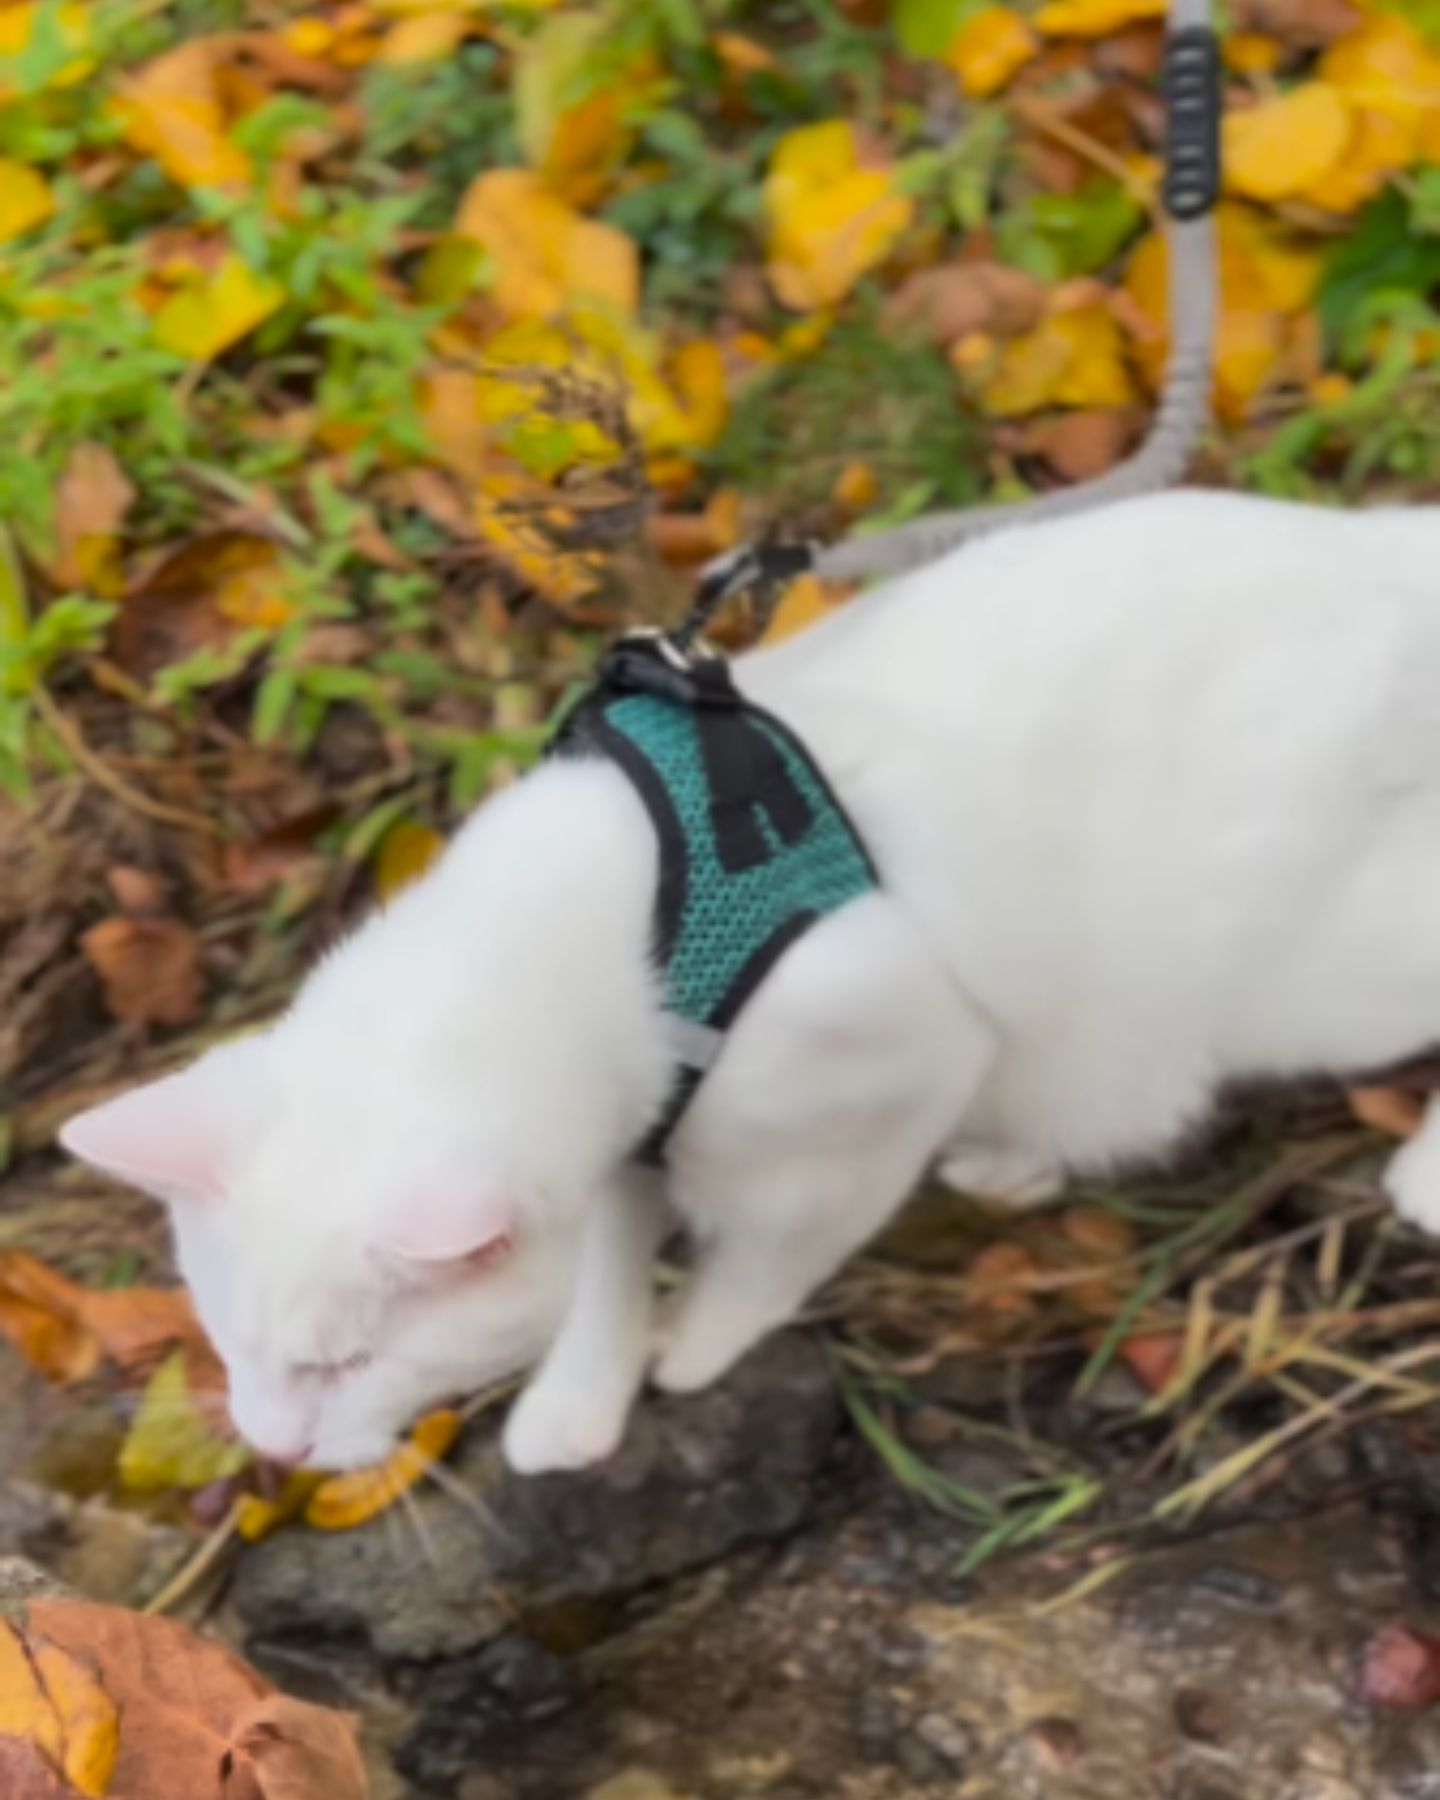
{"x": 424, "y": 37}
{"x": 210, "y": 312}
{"x": 546, "y": 255}
{"x": 406, "y": 851}
{"x": 149, "y": 969}
{"x": 805, "y": 600}
{"x": 1077, "y": 357}
{"x": 998, "y": 1278}
{"x": 1098, "y": 1230}
{"x": 137, "y": 891}
{"x": 197, "y": 1722}
{"x": 25, "y": 199}
{"x": 172, "y": 1442}
{"x": 172, "y": 109}
{"x": 54, "y": 1702}
{"x": 1399, "y": 1668}
{"x": 1386, "y": 1109}
{"x": 949, "y": 302}
{"x": 65, "y": 1328}
{"x": 1281, "y": 147}
{"x": 830, "y": 218}
{"x": 1081, "y": 445}
{"x": 573, "y": 126}
{"x": 70, "y": 23}
{"x": 1095, "y": 18}
{"x": 1153, "y": 1357}
{"x": 91, "y": 501}
{"x": 257, "y": 1517}
{"x": 197, "y": 595}
{"x": 27, "y": 1774}
{"x": 991, "y": 46}
{"x": 1305, "y": 24}
{"x": 855, "y": 487}
{"x": 345, "y": 1501}
{"x": 1268, "y": 278}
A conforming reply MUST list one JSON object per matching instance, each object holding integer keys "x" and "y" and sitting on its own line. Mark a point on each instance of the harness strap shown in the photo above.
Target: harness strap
{"x": 754, "y": 848}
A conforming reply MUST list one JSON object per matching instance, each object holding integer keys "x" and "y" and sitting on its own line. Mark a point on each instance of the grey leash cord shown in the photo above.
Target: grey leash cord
{"x": 1192, "y": 185}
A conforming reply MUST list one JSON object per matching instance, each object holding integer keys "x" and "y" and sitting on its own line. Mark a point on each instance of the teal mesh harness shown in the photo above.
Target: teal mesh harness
{"x": 754, "y": 846}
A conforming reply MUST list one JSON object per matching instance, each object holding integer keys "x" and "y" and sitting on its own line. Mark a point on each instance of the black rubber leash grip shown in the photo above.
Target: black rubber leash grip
{"x": 1194, "y": 100}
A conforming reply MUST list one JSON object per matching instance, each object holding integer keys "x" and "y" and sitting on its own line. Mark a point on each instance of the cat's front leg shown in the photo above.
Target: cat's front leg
{"x": 1412, "y": 1178}
{"x": 572, "y": 1413}
{"x": 1018, "y": 1179}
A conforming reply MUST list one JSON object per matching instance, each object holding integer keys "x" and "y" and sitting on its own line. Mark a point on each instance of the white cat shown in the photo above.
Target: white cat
{"x": 1154, "y": 794}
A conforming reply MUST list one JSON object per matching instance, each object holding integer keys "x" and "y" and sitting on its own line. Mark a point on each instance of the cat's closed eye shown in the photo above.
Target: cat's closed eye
{"x": 332, "y": 1371}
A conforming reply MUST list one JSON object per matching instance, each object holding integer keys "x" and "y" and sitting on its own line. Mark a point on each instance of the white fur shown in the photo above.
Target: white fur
{"x": 1155, "y": 796}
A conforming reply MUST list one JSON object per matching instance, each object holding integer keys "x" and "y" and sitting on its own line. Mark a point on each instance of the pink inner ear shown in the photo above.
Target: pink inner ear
{"x": 443, "y": 1227}
{"x": 167, "y": 1138}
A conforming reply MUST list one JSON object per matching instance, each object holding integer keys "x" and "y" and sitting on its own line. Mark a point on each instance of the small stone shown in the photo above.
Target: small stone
{"x": 1058, "y": 1743}
{"x": 1238, "y": 1587}
{"x": 919, "y": 1762}
{"x": 952, "y": 1739}
{"x": 635, "y": 1784}
{"x": 1204, "y": 1718}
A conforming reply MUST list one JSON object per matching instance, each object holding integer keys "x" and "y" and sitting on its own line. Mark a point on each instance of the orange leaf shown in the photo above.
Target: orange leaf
{"x": 345, "y": 1501}
{"x": 423, "y": 38}
{"x": 91, "y": 502}
{"x": 1153, "y": 1357}
{"x": 149, "y": 969}
{"x": 196, "y": 1720}
{"x": 64, "y": 1328}
{"x": 1095, "y": 18}
{"x": 54, "y": 1702}
{"x": 172, "y": 110}
{"x": 806, "y": 600}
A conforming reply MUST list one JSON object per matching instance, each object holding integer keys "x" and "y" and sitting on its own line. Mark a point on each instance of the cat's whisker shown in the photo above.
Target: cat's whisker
{"x": 464, "y": 1496}
{"x": 416, "y": 1519}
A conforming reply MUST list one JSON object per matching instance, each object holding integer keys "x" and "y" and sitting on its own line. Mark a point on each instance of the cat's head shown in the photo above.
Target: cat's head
{"x": 357, "y": 1257}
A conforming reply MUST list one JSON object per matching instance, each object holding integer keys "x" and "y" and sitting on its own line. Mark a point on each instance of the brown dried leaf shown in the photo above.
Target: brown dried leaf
{"x": 1399, "y": 1668}
{"x": 91, "y": 501}
{"x": 198, "y": 595}
{"x": 137, "y": 891}
{"x": 1304, "y": 24}
{"x": 1387, "y": 1109}
{"x": 27, "y": 1775}
{"x": 63, "y": 1329}
{"x": 149, "y": 969}
{"x": 1081, "y": 445}
{"x": 197, "y": 1723}
{"x": 950, "y": 302}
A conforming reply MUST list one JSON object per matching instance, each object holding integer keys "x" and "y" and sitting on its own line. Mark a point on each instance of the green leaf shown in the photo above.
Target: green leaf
{"x": 14, "y": 608}
{"x": 925, "y": 27}
{"x": 1381, "y": 254}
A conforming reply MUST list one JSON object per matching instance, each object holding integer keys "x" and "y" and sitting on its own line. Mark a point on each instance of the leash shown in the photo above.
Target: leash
{"x": 1193, "y": 95}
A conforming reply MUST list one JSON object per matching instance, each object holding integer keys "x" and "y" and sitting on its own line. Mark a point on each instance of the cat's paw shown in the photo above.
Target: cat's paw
{"x": 1011, "y": 1178}
{"x": 1412, "y": 1180}
{"x": 689, "y": 1360}
{"x": 554, "y": 1429}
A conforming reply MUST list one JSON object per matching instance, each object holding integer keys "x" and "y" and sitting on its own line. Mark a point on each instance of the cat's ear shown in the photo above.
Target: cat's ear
{"x": 172, "y": 1137}
{"x": 442, "y": 1226}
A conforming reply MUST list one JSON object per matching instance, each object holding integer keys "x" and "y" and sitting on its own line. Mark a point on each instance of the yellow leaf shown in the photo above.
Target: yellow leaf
{"x": 804, "y": 601}
{"x": 345, "y": 1501}
{"x": 406, "y": 851}
{"x": 171, "y": 1443}
{"x": 213, "y": 311}
{"x": 1381, "y": 144}
{"x": 1077, "y": 357}
{"x": 830, "y": 219}
{"x": 1385, "y": 65}
{"x": 697, "y": 370}
{"x": 424, "y": 38}
{"x": 571, "y": 126}
{"x": 256, "y": 597}
{"x": 89, "y": 1723}
{"x": 25, "y": 199}
{"x": 989, "y": 48}
{"x": 172, "y": 110}
{"x": 1095, "y": 18}
{"x": 511, "y": 514}
{"x": 1279, "y": 148}
{"x": 855, "y": 486}
{"x": 1267, "y": 280}
{"x": 546, "y": 255}
{"x": 1248, "y": 53}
